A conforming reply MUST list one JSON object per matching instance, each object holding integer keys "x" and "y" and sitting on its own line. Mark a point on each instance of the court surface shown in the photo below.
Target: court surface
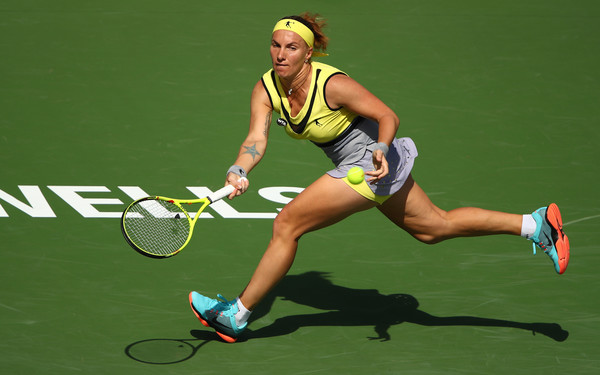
{"x": 102, "y": 101}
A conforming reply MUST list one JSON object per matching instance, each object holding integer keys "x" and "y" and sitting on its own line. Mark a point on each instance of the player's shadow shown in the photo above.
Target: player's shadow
{"x": 343, "y": 307}
{"x": 364, "y": 307}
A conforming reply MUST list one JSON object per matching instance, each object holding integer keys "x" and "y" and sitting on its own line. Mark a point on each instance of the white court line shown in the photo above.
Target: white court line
{"x": 582, "y": 219}
{"x": 10, "y": 308}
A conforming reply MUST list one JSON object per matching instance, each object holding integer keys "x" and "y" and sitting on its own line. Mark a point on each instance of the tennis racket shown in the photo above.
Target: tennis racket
{"x": 159, "y": 227}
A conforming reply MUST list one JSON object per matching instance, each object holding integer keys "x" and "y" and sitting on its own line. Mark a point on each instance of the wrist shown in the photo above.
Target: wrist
{"x": 383, "y": 147}
{"x": 236, "y": 169}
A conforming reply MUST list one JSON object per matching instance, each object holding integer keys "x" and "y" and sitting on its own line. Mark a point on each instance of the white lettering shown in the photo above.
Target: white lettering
{"x": 35, "y": 204}
{"x": 274, "y": 194}
{"x": 38, "y": 206}
{"x": 85, "y": 205}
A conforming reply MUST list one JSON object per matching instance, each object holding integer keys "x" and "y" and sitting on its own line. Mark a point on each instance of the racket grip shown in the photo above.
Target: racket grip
{"x": 221, "y": 193}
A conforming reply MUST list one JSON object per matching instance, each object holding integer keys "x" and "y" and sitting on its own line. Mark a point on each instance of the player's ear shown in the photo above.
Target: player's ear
{"x": 308, "y": 55}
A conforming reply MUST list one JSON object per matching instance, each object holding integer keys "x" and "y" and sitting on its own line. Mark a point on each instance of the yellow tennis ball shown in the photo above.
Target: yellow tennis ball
{"x": 356, "y": 175}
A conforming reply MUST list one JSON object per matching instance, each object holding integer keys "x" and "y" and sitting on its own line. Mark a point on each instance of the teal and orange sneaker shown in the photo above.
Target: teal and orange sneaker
{"x": 219, "y": 315}
{"x": 550, "y": 237}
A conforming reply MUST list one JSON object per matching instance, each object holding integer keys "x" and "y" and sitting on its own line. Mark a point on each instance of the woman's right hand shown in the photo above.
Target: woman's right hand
{"x": 240, "y": 183}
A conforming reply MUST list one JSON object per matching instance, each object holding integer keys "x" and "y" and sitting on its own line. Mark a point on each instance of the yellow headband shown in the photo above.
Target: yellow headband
{"x": 297, "y": 27}
{"x": 300, "y": 29}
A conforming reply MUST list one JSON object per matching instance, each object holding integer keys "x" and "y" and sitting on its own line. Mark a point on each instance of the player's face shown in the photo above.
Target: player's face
{"x": 288, "y": 53}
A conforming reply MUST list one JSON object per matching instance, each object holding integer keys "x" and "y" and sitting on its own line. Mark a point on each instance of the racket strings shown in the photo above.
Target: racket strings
{"x": 157, "y": 227}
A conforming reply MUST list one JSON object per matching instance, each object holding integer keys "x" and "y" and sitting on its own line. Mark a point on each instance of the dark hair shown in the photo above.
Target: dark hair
{"x": 315, "y": 23}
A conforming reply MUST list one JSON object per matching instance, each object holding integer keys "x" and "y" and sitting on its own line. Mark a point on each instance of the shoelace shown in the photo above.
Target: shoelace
{"x": 541, "y": 245}
{"x": 224, "y": 306}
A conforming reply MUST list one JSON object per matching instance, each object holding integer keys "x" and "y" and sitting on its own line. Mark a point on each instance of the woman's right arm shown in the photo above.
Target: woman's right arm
{"x": 254, "y": 146}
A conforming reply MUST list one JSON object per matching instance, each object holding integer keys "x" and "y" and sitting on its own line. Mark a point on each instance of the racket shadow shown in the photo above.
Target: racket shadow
{"x": 366, "y": 307}
{"x": 168, "y": 351}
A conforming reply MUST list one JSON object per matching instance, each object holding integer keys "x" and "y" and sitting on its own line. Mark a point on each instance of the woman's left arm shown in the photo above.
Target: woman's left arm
{"x": 343, "y": 91}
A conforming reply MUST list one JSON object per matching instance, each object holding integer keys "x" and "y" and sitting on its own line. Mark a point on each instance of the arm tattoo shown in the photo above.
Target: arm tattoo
{"x": 251, "y": 150}
{"x": 267, "y": 124}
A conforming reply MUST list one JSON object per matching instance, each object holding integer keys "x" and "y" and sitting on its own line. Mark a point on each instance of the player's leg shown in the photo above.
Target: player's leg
{"x": 411, "y": 209}
{"x": 325, "y": 202}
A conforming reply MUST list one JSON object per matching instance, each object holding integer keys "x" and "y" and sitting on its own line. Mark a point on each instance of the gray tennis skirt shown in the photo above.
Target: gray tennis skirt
{"x": 355, "y": 148}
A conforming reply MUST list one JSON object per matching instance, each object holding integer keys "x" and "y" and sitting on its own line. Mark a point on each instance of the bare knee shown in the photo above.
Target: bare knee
{"x": 284, "y": 228}
{"x": 435, "y": 230}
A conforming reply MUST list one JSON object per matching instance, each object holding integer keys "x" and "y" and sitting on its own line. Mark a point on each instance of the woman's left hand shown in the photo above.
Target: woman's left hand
{"x": 381, "y": 167}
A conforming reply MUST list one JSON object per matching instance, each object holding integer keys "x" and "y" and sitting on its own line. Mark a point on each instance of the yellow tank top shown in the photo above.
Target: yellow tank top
{"x": 316, "y": 121}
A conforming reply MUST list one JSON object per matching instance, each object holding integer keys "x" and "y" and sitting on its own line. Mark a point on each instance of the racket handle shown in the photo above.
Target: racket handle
{"x": 221, "y": 193}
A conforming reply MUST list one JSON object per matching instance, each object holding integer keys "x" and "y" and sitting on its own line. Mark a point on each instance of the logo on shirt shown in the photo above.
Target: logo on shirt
{"x": 281, "y": 122}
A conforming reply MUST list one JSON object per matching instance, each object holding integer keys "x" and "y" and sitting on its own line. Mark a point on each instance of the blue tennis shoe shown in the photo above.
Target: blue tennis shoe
{"x": 219, "y": 315}
{"x": 550, "y": 237}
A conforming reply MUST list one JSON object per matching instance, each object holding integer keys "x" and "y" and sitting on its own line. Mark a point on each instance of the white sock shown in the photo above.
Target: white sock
{"x": 241, "y": 317}
{"x": 528, "y": 227}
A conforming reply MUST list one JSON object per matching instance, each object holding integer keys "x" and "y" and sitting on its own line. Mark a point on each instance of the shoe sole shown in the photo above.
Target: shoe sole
{"x": 562, "y": 244}
{"x": 206, "y": 324}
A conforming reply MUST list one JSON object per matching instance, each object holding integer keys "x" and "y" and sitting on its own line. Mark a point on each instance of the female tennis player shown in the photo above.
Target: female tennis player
{"x": 354, "y": 128}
